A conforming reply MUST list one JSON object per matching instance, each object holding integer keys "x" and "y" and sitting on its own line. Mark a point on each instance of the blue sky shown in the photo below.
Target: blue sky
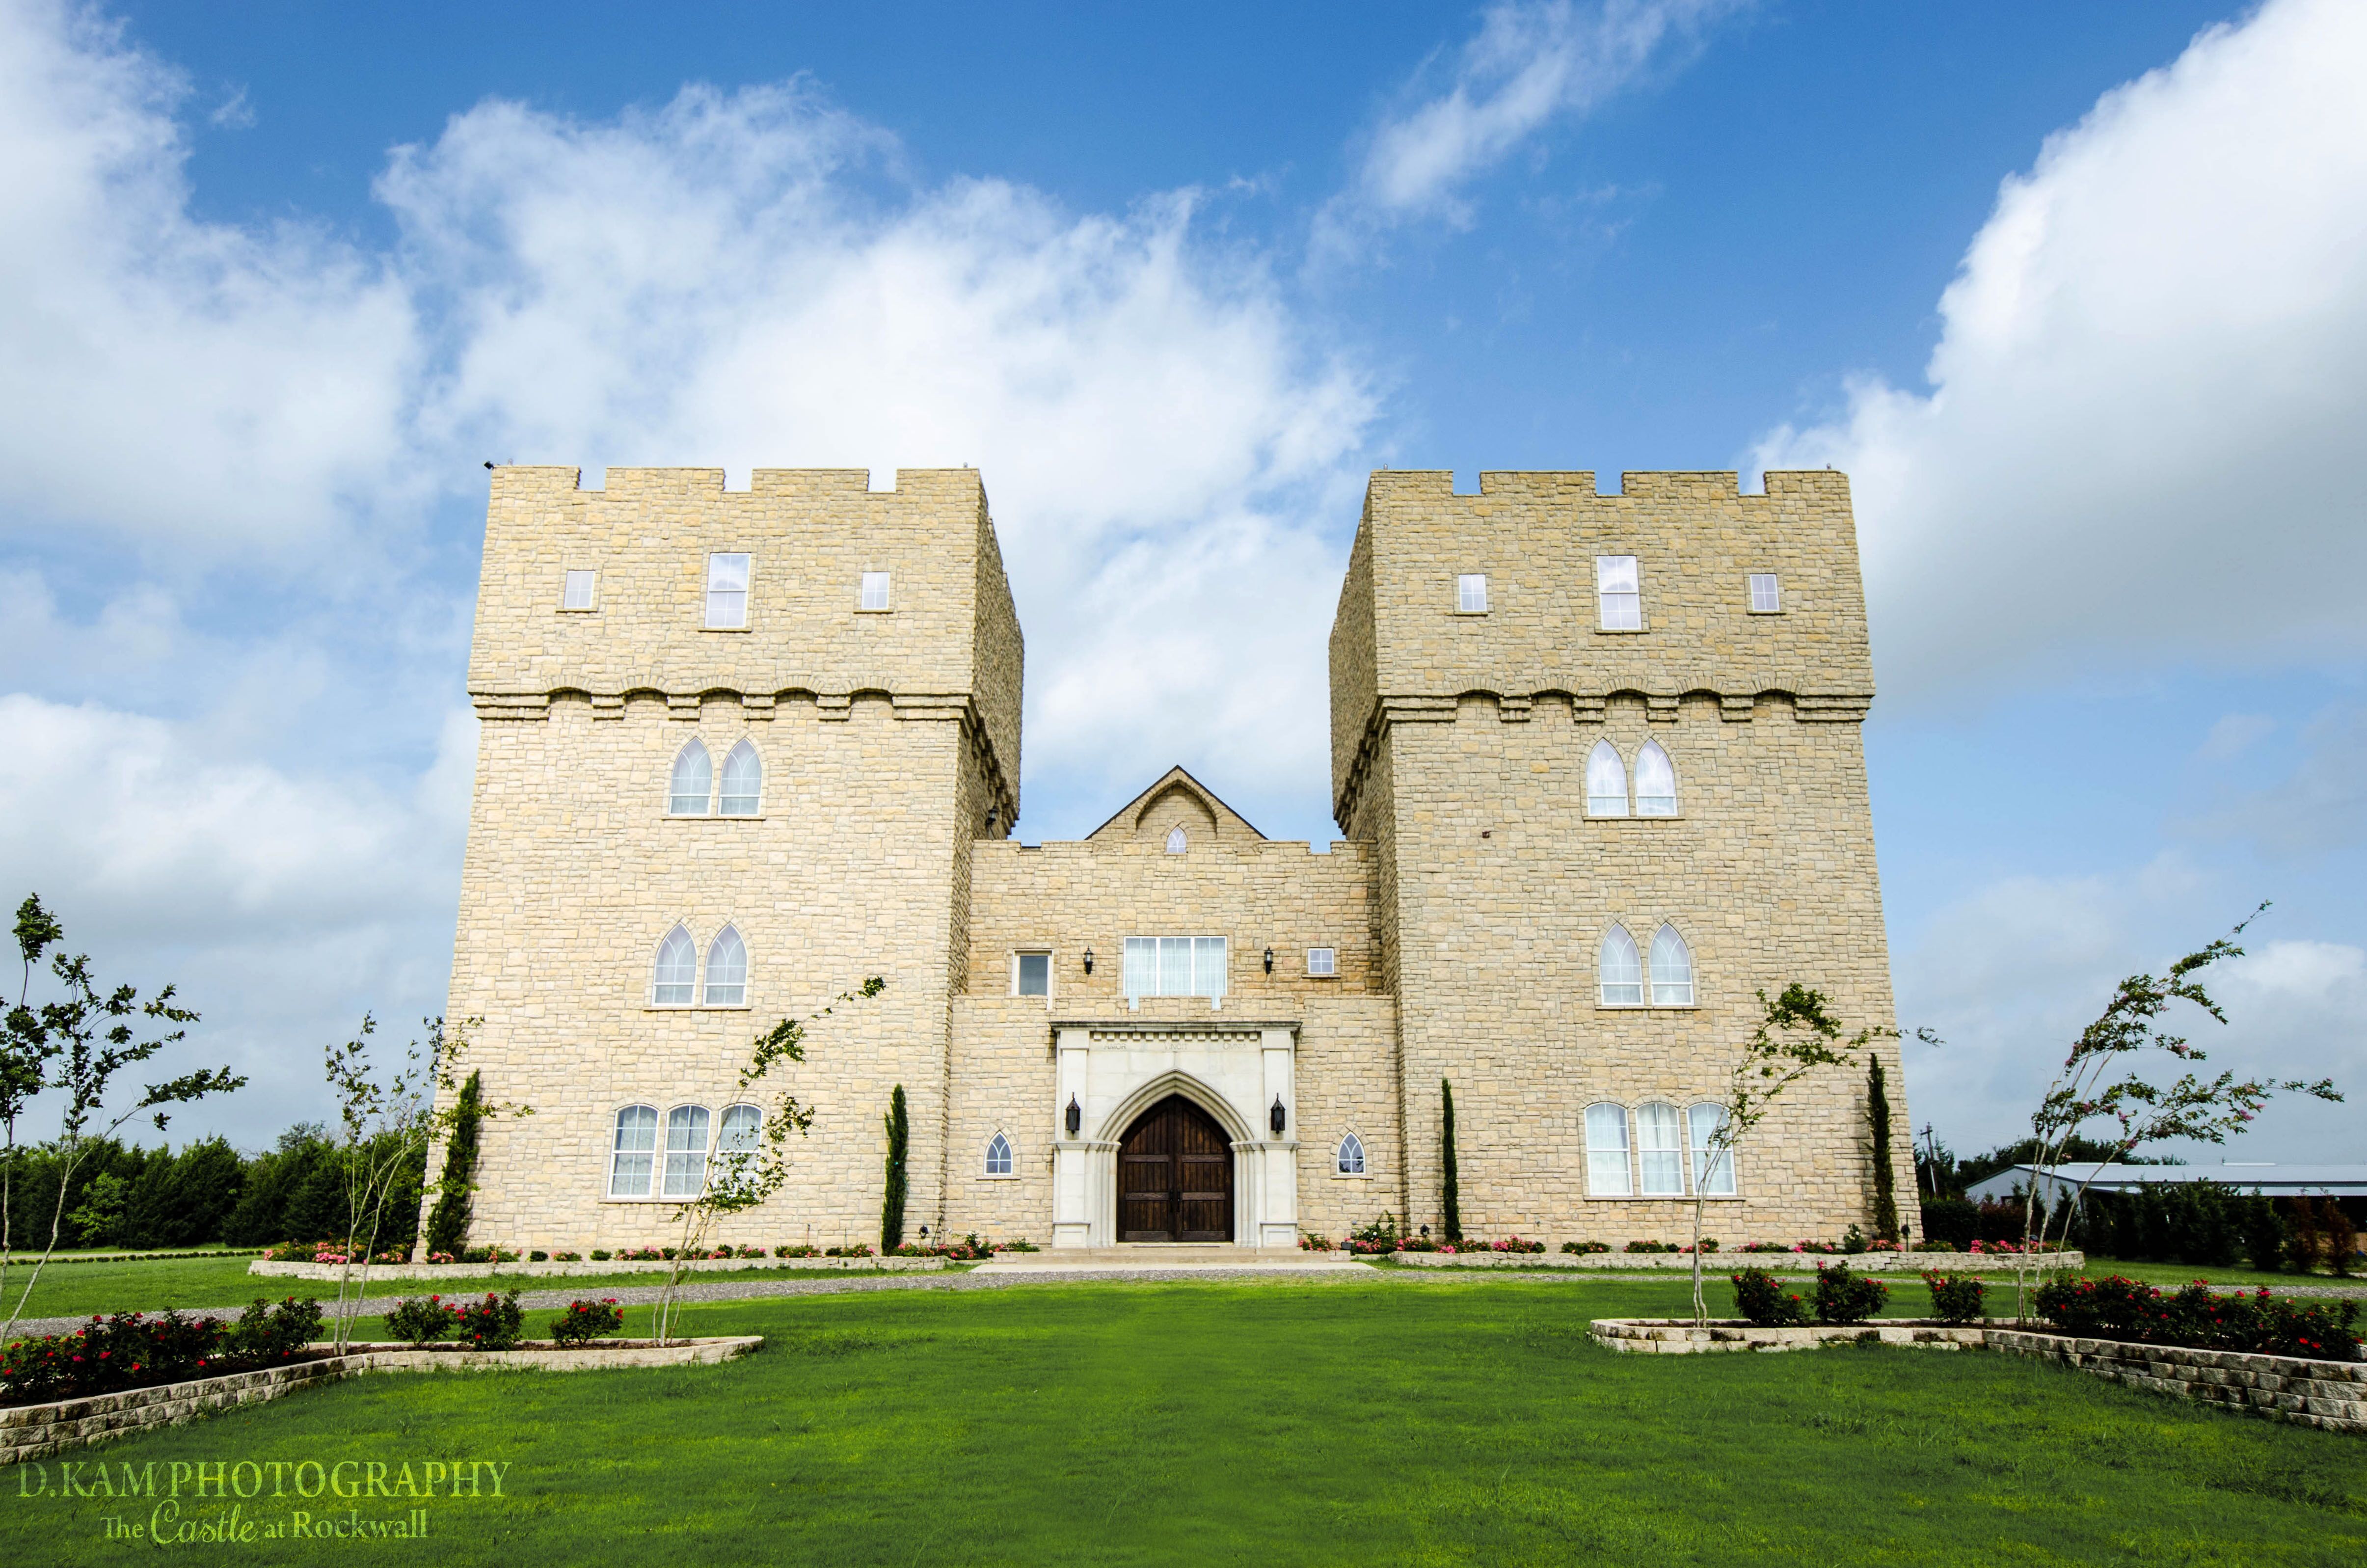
{"x": 2075, "y": 292}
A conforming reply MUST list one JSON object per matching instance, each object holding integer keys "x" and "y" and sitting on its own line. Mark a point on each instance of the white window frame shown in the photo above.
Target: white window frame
{"x": 1603, "y": 1163}
{"x": 1350, "y": 1147}
{"x": 1602, "y": 980}
{"x": 1010, "y": 1171}
{"x": 619, "y": 1153}
{"x": 1471, "y": 593}
{"x": 1618, "y": 593}
{"x": 659, "y": 987}
{"x": 1654, "y": 984}
{"x": 1199, "y": 952}
{"x": 752, "y": 805}
{"x": 728, "y": 600}
{"x": 1766, "y": 594}
{"x": 586, "y": 578}
{"x": 873, "y": 594}
{"x": 674, "y": 797}
{"x": 1323, "y": 963}
{"x": 1710, "y": 1180}
{"x": 1018, "y": 955}
{"x": 694, "y": 1118}
{"x": 706, "y": 983}
{"x": 1660, "y": 1152}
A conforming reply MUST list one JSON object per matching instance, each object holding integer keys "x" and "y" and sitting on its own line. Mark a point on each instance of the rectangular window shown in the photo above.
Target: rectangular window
{"x": 726, "y": 591}
{"x": 1471, "y": 593}
{"x": 1766, "y": 597}
{"x": 1606, "y": 1151}
{"x": 1713, "y": 1168}
{"x": 581, "y": 587}
{"x": 1322, "y": 962}
{"x": 875, "y": 590}
{"x": 685, "y": 1151}
{"x": 1615, "y": 586}
{"x": 637, "y": 1143}
{"x": 1174, "y": 966}
{"x": 1659, "y": 1152}
{"x": 1031, "y": 974}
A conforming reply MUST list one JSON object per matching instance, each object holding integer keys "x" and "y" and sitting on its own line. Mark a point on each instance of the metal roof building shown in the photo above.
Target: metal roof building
{"x": 2268, "y": 1180}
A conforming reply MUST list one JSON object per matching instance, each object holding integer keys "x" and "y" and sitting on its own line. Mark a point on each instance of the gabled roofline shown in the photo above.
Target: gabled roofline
{"x": 1162, "y": 783}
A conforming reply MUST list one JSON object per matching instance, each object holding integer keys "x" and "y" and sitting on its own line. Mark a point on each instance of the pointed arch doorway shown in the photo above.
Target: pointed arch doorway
{"x": 1175, "y": 1176}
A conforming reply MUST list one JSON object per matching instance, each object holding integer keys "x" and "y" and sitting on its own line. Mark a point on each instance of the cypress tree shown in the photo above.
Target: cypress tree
{"x": 447, "y": 1226}
{"x": 1885, "y": 1184}
{"x": 1453, "y": 1223}
{"x": 891, "y": 1207}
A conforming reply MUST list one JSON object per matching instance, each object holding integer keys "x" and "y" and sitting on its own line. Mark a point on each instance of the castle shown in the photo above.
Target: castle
{"x": 1596, "y": 760}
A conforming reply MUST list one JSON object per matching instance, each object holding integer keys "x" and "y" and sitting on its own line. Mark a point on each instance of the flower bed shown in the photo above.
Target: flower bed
{"x": 132, "y": 1350}
{"x": 556, "y": 1269}
{"x": 2254, "y": 1321}
{"x": 1680, "y": 1262}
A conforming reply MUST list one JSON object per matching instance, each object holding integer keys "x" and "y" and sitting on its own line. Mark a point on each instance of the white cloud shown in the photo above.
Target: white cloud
{"x": 2141, "y": 436}
{"x": 2320, "y": 805}
{"x": 2233, "y": 735}
{"x": 1528, "y": 65}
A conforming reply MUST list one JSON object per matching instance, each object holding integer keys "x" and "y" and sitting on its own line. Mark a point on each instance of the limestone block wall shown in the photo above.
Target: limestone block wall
{"x": 1348, "y": 1082}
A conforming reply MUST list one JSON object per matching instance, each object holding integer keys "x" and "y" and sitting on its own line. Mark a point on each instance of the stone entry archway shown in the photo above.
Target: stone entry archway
{"x": 1175, "y": 1176}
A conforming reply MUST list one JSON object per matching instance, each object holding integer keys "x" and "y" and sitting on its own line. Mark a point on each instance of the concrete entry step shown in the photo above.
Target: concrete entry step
{"x": 1196, "y": 1257}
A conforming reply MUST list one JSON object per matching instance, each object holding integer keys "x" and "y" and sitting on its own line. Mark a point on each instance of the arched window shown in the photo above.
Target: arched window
{"x": 1606, "y": 781}
{"x": 1712, "y": 1174}
{"x": 1175, "y": 841}
{"x": 1351, "y": 1155}
{"x": 998, "y": 1155}
{"x": 636, "y": 1146}
{"x": 686, "y": 1151}
{"x": 1623, "y": 970}
{"x": 1672, "y": 970}
{"x": 727, "y": 969}
{"x": 743, "y": 1125}
{"x": 743, "y": 780}
{"x": 1606, "y": 1151}
{"x": 1659, "y": 1152}
{"x": 693, "y": 774}
{"x": 673, "y": 979}
{"x": 1656, "y": 782}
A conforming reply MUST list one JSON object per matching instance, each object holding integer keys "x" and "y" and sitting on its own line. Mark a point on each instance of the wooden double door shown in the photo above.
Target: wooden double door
{"x": 1175, "y": 1176}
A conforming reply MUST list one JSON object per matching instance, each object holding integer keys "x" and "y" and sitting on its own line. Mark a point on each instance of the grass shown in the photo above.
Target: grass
{"x": 1408, "y": 1422}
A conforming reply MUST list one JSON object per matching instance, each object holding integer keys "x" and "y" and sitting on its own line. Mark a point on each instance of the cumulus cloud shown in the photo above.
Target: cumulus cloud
{"x": 2140, "y": 431}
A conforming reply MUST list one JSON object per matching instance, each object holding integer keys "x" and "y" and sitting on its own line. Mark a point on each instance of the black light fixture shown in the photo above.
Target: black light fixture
{"x": 924, "y": 1232}
{"x": 1425, "y": 1232}
{"x": 1076, "y": 1117}
{"x": 1089, "y": 961}
{"x": 1277, "y": 1116}
{"x": 1269, "y": 961}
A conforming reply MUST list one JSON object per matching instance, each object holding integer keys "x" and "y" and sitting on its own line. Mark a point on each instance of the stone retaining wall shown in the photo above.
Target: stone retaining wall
{"x": 1728, "y": 1262}
{"x": 290, "y": 1270}
{"x": 1682, "y": 1338}
{"x": 37, "y": 1431}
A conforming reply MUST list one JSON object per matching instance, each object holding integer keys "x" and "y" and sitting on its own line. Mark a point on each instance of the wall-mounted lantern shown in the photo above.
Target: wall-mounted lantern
{"x": 1277, "y": 1118}
{"x": 1076, "y": 1117}
{"x": 1269, "y": 961}
{"x": 1089, "y": 961}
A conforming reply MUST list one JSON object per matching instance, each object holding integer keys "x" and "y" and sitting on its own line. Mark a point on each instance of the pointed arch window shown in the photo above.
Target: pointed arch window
{"x": 686, "y": 1151}
{"x": 693, "y": 779}
{"x": 727, "y": 969}
{"x": 1606, "y": 1151}
{"x": 1672, "y": 970}
{"x": 1656, "y": 782}
{"x": 635, "y": 1148}
{"x": 1659, "y": 1152}
{"x": 1606, "y": 781}
{"x": 1175, "y": 841}
{"x": 1351, "y": 1155}
{"x": 1713, "y": 1169}
{"x": 998, "y": 1155}
{"x": 1622, "y": 970}
{"x": 743, "y": 781}
{"x": 673, "y": 977}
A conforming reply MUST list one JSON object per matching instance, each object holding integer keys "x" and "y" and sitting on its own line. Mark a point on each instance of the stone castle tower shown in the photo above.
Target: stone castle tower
{"x": 741, "y": 749}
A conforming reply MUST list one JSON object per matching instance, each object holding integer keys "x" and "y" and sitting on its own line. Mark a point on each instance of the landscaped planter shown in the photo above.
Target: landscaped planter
{"x": 1728, "y": 1262}
{"x": 292, "y": 1269}
{"x": 2330, "y": 1395}
{"x": 37, "y": 1431}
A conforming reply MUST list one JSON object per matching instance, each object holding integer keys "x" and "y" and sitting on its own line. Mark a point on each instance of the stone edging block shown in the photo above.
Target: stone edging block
{"x": 1728, "y": 1262}
{"x": 329, "y": 1272}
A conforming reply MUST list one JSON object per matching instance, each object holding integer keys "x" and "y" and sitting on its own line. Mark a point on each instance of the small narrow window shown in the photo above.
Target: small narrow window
{"x": 582, "y": 586}
{"x": 1175, "y": 841}
{"x": 1659, "y": 1155}
{"x": 1471, "y": 593}
{"x": 1606, "y": 781}
{"x": 726, "y": 591}
{"x": 1672, "y": 970}
{"x": 1606, "y": 1151}
{"x": 736, "y": 1144}
{"x": 673, "y": 979}
{"x": 727, "y": 969}
{"x": 636, "y": 1147}
{"x": 1031, "y": 974}
{"x": 1713, "y": 1166}
{"x": 1351, "y": 1155}
{"x": 693, "y": 777}
{"x": 1656, "y": 782}
{"x": 1622, "y": 601}
{"x": 875, "y": 590}
{"x": 997, "y": 1156}
{"x": 685, "y": 1151}
{"x": 743, "y": 780}
{"x": 1322, "y": 962}
{"x": 1766, "y": 597}
{"x": 1623, "y": 970}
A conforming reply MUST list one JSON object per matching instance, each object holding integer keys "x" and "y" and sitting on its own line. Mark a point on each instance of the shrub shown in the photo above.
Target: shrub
{"x": 440, "y": 1258}
{"x": 1762, "y": 1300}
{"x": 265, "y": 1334}
{"x": 2264, "y": 1234}
{"x": 420, "y": 1323}
{"x": 566, "y": 1258}
{"x": 127, "y": 1350}
{"x": 1651, "y": 1247}
{"x": 1317, "y": 1244}
{"x": 856, "y": 1249}
{"x": 748, "y": 1251}
{"x": 1020, "y": 1244}
{"x": 538, "y": 1257}
{"x": 1854, "y": 1240}
{"x": 2256, "y": 1321}
{"x": 1844, "y": 1296}
{"x": 1514, "y": 1244}
{"x": 601, "y": 1255}
{"x": 1929, "y": 1244}
{"x": 803, "y": 1249}
{"x": 1955, "y": 1297}
{"x": 494, "y": 1323}
{"x": 477, "y": 1255}
{"x": 584, "y": 1322}
{"x": 1585, "y": 1249}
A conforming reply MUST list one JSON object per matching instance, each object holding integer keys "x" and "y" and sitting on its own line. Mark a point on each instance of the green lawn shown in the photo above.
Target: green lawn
{"x": 1405, "y": 1422}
